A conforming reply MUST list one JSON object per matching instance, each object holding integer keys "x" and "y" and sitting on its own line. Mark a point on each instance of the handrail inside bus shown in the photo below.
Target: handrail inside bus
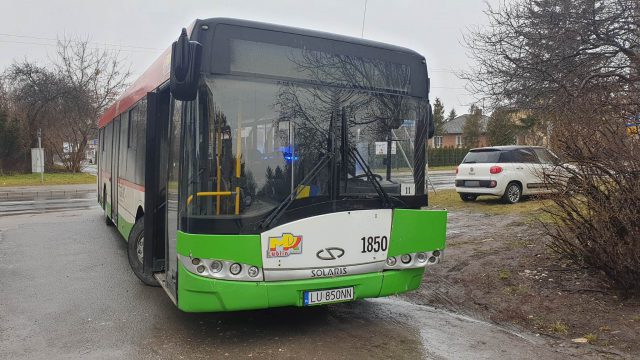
{"x": 209, "y": 193}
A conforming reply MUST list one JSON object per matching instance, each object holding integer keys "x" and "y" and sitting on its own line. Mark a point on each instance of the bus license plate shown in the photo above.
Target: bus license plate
{"x": 327, "y": 296}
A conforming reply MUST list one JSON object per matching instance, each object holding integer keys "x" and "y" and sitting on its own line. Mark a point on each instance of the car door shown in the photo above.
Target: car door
{"x": 549, "y": 164}
{"x": 528, "y": 171}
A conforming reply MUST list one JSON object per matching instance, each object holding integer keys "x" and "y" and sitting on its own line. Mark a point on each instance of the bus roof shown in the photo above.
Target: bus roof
{"x": 158, "y": 72}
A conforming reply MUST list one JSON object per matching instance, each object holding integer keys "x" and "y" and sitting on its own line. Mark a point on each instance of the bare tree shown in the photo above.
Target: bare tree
{"x": 95, "y": 78}
{"x": 572, "y": 67}
{"x": 66, "y": 98}
{"x": 544, "y": 54}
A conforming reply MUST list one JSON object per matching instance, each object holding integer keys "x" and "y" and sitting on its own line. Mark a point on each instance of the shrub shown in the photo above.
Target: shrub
{"x": 597, "y": 220}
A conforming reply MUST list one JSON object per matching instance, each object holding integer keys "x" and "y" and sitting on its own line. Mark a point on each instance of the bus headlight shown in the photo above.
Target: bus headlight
{"x": 235, "y": 268}
{"x": 413, "y": 260}
{"x": 216, "y": 266}
{"x": 253, "y": 271}
{"x": 221, "y": 269}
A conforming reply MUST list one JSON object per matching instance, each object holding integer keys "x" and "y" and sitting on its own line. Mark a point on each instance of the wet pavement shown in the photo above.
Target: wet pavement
{"x": 38, "y": 199}
{"x": 66, "y": 291}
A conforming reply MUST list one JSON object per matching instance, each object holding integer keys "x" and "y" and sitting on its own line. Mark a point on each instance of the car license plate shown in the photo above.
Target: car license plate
{"x": 472, "y": 183}
{"x": 327, "y": 296}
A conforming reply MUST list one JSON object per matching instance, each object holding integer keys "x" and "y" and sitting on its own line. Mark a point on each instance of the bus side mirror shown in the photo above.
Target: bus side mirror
{"x": 186, "y": 57}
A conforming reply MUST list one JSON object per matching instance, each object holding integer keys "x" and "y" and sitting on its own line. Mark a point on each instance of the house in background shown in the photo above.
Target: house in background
{"x": 452, "y": 133}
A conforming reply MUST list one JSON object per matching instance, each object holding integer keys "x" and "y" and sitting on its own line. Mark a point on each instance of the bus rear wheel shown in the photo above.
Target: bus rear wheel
{"x": 135, "y": 253}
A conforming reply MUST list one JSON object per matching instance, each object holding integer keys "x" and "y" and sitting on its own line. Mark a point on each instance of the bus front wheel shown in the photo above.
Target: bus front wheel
{"x": 135, "y": 252}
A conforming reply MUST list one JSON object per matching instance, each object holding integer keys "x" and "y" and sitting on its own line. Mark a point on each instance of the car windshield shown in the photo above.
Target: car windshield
{"x": 482, "y": 156}
{"x": 251, "y": 143}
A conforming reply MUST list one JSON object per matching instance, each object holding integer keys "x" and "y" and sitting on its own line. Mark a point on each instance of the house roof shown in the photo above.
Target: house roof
{"x": 455, "y": 126}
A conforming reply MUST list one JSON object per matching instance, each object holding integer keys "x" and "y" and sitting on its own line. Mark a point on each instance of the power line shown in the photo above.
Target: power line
{"x": 76, "y": 41}
{"x": 90, "y": 47}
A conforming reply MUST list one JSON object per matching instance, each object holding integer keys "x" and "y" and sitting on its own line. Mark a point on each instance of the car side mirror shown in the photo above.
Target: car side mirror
{"x": 184, "y": 77}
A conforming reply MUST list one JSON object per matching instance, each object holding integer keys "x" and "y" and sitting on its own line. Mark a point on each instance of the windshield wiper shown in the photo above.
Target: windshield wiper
{"x": 355, "y": 155}
{"x": 275, "y": 215}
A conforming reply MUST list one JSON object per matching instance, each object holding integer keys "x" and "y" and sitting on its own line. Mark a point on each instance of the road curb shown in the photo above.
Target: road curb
{"x": 44, "y": 194}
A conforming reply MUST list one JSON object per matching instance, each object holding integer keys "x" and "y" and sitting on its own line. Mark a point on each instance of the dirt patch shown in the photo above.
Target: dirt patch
{"x": 499, "y": 268}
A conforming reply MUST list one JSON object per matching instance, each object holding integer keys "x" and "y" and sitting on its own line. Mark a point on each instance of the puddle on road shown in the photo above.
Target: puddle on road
{"x": 373, "y": 328}
{"x": 448, "y": 335}
{"x": 340, "y": 331}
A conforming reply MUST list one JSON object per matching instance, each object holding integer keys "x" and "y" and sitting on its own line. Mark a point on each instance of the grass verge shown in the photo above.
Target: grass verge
{"x": 49, "y": 179}
{"x": 449, "y": 199}
{"x": 436, "y": 168}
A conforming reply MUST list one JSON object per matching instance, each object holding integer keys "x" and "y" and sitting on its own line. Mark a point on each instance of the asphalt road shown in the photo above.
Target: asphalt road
{"x": 441, "y": 180}
{"x": 66, "y": 291}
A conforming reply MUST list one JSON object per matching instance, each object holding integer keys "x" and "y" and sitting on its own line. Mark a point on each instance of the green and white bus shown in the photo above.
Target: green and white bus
{"x": 256, "y": 166}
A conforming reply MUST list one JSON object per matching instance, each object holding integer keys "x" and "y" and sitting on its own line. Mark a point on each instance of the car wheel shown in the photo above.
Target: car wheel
{"x": 512, "y": 194}
{"x": 135, "y": 253}
{"x": 468, "y": 197}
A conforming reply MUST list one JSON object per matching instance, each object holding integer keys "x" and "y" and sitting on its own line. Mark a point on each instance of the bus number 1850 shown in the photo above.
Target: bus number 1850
{"x": 374, "y": 243}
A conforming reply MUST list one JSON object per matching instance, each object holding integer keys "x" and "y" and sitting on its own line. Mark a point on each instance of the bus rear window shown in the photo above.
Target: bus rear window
{"x": 482, "y": 157}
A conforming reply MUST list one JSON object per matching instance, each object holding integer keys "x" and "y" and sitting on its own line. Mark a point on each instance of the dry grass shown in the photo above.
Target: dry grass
{"x": 559, "y": 327}
{"x": 531, "y": 208}
{"x": 504, "y": 274}
{"x": 591, "y": 338}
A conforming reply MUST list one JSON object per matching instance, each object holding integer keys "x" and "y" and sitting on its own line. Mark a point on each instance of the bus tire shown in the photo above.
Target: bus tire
{"x": 135, "y": 247}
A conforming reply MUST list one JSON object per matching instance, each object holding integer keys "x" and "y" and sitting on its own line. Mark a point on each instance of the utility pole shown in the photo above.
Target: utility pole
{"x": 364, "y": 16}
{"x": 42, "y": 155}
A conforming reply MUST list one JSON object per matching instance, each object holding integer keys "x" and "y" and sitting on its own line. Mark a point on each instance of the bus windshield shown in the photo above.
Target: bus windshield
{"x": 250, "y": 143}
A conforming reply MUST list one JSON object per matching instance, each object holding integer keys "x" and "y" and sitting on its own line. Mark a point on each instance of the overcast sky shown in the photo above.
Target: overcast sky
{"x": 142, "y": 29}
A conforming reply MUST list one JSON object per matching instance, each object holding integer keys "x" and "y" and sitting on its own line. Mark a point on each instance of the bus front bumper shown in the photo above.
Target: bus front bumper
{"x": 200, "y": 294}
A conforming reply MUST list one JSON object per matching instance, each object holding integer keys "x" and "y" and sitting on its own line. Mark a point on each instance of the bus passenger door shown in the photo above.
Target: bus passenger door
{"x": 155, "y": 197}
{"x": 173, "y": 177}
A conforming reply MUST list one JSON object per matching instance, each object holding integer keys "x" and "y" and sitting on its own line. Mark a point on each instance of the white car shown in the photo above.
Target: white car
{"x": 510, "y": 172}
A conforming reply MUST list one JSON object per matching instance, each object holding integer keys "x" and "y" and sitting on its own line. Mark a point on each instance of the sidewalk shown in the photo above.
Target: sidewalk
{"x": 14, "y": 193}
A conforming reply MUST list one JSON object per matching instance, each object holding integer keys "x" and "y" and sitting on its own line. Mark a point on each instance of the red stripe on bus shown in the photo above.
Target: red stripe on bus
{"x": 155, "y": 75}
{"x": 131, "y": 185}
{"x": 152, "y": 78}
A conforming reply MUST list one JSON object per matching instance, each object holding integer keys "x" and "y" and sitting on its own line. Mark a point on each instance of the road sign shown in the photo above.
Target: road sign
{"x": 381, "y": 148}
